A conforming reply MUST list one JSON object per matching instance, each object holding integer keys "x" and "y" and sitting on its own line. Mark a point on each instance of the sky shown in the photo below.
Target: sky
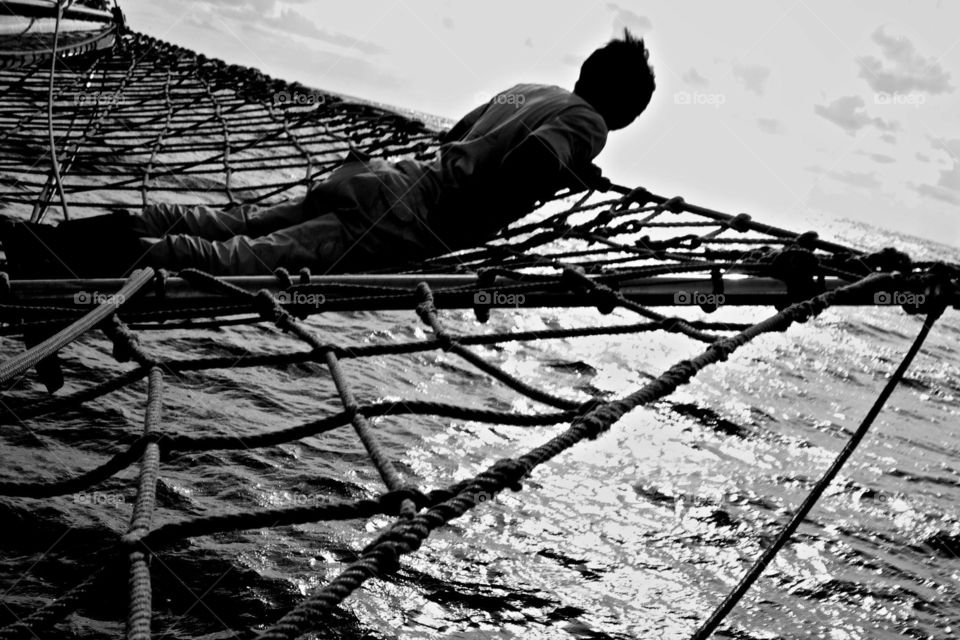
{"x": 794, "y": 111}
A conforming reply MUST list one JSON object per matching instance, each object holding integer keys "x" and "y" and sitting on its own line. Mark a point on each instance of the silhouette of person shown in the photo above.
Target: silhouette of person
{"x": 492, "y": 166}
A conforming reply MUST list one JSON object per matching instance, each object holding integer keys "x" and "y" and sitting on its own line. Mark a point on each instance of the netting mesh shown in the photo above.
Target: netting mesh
{"x": 150, "y": 121}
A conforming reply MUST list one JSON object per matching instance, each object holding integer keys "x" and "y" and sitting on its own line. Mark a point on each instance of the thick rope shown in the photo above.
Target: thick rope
{"x": 54, "y": 163}
{"x": 54, "y": 343}
{"x": 141, "y": 608}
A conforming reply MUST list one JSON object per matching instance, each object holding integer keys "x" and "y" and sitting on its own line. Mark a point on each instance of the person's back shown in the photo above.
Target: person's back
{"x": 563, "y": 121}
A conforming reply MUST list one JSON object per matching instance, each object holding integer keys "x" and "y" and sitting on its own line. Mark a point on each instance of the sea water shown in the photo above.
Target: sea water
{"x": 636, "y": 534}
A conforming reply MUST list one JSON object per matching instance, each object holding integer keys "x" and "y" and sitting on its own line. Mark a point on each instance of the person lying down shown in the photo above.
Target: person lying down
{"x": 491, "y": 167}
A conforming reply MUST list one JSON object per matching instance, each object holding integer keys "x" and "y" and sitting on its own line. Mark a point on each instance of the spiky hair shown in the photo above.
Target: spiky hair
{"x": 618, "y": 77}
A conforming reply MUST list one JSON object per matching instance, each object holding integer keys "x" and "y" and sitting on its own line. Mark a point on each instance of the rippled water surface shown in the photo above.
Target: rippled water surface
{"x": 636, "y": 534}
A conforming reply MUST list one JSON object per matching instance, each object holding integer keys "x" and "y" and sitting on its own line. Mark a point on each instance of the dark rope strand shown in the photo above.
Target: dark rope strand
{"x": 725, "y": 607}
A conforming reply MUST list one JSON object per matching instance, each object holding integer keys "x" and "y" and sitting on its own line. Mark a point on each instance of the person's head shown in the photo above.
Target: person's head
{"x": 617, "y": 80}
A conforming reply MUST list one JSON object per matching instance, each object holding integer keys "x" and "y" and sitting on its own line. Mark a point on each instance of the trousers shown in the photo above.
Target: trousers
{"x": 366, "y": 214}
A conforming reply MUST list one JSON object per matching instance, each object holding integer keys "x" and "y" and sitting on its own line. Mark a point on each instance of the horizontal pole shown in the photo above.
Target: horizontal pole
{"x": 397, "y": 291}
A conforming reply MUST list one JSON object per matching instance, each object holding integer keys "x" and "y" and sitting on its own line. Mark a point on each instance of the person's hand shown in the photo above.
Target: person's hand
{"x": 589, "y": 176}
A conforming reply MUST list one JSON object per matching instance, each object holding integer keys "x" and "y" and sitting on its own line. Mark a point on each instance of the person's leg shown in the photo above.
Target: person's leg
{"x": 160, "y": 219}
{"x": 318, "y": 244}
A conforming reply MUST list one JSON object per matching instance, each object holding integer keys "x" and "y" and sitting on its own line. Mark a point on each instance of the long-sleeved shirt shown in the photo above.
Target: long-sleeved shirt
{"x": 459, "y": 199}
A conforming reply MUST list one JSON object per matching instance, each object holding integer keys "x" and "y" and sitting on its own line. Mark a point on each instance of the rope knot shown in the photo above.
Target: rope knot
{"x": 444, "y": 339}
{"x": 393, "y": 500}
{"x": 673, "y": 205}
{"x": 283, "y": 278}
{"x": 740, "y": 222}
{"x": 593, "y": 425}
{"x": 671, "y": 324}
{"x": 267, "y": 306}
{"x": 720, "y": 348}
{"x": 639, "y": 196}
{"x": 605, "y": 299}
{"x": 351, "y": 411}
{"x": 510, "y": 471}
{"x": 133, "y": 540}
{"x": 573, "y": 277}
{"x": 426, "y": 306}
{"x": 807, "y": 240}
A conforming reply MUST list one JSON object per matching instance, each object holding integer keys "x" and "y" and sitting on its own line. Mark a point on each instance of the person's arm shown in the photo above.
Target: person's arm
{"x": 529, "y": 171}
{"x": 557, "y": 153}
{"x": 457, "y": 131}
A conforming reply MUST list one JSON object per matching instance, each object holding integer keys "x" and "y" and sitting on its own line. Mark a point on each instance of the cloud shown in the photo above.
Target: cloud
{"x": 624, "y": 18}
{"x": 849, "y": 113}
{"x": 937, "y": 193}
{"x": 753, "y": 77}
{"x": 292, "y": 21}
{"x": 288, "y": 21}
{"x": 856, "y": 179}
{"x": 882, "y": 158}
{"x": 692, "y": 77}
{"x": 447, "y": 22}
{"x": 922, "y": 157}
{"x": 947, "y": 187}
{"x": 904, "y": 70}
{"x": 259, "y": 6}
{"x": 200, "y": 19}
{"x": 889, "y": 137}
{"x": 770, "y": 125}
{"x": 290, "y": 53}
{"x": 950, "y": 178}
{"x": 950, "y": 147}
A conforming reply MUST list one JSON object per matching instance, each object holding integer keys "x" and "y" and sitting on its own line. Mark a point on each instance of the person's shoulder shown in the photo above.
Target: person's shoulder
{"x": 545, "y": 91}
{"x": 570, "y": 100}
{"x": 585, "y": 111}
{"x": 562, "y": 103}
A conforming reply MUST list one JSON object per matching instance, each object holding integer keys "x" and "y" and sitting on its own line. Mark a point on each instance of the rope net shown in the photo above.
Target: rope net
{"x": 146, "y": 121}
